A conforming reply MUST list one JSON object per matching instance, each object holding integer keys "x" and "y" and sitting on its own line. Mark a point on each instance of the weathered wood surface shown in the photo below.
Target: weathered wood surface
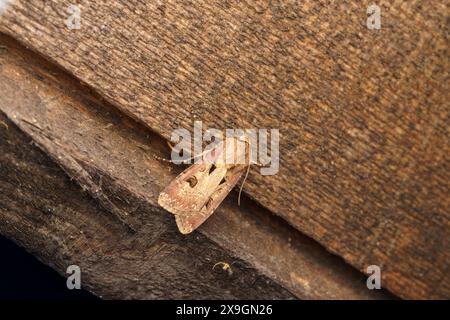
{"x": 363, "y": 114}
{"x": 45, "y": 212}
{"x": 110, "y": 156}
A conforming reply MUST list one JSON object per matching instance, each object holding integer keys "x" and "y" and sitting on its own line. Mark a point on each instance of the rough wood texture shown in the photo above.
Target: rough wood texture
{"x": 110, "y": 156}
{"x": 363, "y": 114}
{"x": 45, "y": 212}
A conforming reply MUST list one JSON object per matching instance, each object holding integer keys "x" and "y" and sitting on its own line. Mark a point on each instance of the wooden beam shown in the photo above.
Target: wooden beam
{"x": 46, "y": 213}
{"x": 111, "y": 157}
{"x": 362, "y": 113}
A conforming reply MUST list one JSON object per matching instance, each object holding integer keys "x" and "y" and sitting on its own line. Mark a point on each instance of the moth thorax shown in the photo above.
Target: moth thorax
{"x": 235, "y": 151}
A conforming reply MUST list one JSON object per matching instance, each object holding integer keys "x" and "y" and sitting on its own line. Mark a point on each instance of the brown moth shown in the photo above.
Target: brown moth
{"x": 196, "y": 193}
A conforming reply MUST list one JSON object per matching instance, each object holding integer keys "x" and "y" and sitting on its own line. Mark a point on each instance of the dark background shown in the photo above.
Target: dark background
{"x": 22, "y": 276}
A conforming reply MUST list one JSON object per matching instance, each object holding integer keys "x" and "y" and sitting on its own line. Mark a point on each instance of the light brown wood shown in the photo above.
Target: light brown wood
{"x": 111, "y": 157}
{"x": 363, "y": 114}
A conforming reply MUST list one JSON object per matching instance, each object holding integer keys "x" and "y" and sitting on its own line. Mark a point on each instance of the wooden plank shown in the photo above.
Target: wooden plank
{"x": 363, "y": 113}
{"x": 46, "y": 213}
{"x": 110, "y": 156}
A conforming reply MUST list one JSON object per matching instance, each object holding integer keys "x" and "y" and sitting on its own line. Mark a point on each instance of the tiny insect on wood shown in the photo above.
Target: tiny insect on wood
{"x": 196, "y": 193}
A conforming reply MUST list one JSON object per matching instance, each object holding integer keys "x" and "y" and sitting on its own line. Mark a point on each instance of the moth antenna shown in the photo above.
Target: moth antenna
{"x": 242, "y": 185}
{"x": 161, "y": 158}
{"x": 171, "y": 146}
{"x": 246, "y": 175}
{"x": 184, "y": 161}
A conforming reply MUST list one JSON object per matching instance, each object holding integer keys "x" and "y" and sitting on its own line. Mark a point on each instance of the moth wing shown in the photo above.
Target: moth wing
{"x": 193, "y": 201}
{"x": 191, "y": 220}
{"x": 178, "y": 197}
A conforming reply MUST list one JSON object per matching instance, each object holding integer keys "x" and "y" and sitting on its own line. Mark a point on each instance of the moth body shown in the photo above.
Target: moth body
{"x": 196, "y": 193}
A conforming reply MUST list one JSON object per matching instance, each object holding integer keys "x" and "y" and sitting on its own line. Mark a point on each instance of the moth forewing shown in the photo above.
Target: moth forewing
{"x": 195, "y": 194}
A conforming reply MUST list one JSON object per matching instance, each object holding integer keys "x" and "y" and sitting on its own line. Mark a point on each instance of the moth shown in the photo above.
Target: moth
{"x": 197, "y": 192}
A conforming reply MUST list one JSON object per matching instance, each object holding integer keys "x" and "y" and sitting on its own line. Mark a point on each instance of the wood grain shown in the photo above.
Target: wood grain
{"x": 46, "y": 213}
{"x": 363, "y": 114}
{"x": 111, "y": 157}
